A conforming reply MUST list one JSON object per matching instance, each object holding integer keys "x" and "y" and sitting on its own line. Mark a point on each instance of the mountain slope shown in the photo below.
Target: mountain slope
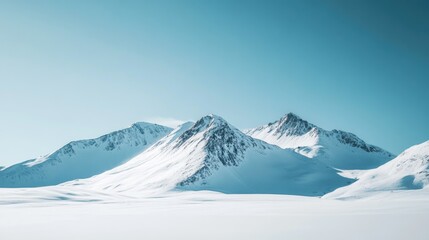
{"x": 84, "y": 158}
{"x": 213, "y": 155}
{"x": 335, "y": 148}
{"x": 410, "y": 170}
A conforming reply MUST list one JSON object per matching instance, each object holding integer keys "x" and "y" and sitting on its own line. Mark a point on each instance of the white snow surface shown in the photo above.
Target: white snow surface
{"x": 408, "y": 171}
{"x": 335, "y": 148}
{"x": 84, "y": 158}
{"x": 70, "y": 213}
{"x": 213, "y": 155}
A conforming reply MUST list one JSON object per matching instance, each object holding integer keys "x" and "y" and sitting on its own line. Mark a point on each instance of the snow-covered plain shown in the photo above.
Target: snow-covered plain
{"x": 53, "y": 213}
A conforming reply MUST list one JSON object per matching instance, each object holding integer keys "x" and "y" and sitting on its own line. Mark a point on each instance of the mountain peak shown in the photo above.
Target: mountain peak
{"x": 203, "y": 125}
{"x": 214, "y": 118}
{"x": 291, "y": 125}
{"x": 291, "y": 116}
{"x": 145, "y": 125}
{"x": 292, "y": 132}
{"x": 84, "y": 158}
{"x": 210, "y": 120}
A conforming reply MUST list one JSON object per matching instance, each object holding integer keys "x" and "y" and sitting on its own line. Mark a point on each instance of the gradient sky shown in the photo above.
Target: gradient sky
{"x": 78, "y": 69}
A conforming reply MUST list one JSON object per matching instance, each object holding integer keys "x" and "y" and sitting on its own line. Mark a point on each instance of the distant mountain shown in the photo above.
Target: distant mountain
{"x": 84, "y": 158}
{"x": 335, "y": 148}
{"x": 213, "y": 155}
{"x": 410, "y": 170}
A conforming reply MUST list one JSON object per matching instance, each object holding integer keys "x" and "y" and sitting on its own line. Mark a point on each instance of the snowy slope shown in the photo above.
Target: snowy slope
{"x": 213, "y": 155}
{"x": 84, "y": 158}
{"x": 410, "y": 170}
{"x": 335, "y": 148}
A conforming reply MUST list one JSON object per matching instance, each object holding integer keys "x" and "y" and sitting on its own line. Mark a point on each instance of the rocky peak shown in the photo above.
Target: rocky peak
{"x": 291, "y": 125}
{"x": 203, "y": 125}
{"x": 223, "y": 144}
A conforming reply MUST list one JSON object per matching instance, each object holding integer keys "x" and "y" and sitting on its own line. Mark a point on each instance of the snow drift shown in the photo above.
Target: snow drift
{"x": 408, "y": 171}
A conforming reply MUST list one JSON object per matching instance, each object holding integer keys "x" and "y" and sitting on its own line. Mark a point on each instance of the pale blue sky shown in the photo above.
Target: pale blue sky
{"x": 78, "y": 69}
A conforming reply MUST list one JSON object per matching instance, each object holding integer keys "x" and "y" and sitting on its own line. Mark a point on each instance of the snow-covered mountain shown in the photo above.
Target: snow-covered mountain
{"x": 213, "y": 155}
{"x": 410, "y": 170}
{"x": 84, "y": 158}
{"x": 335, "y": 148}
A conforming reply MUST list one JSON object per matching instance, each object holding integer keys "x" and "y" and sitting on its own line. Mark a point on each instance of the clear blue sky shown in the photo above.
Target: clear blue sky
{"x": 78, "y": 69}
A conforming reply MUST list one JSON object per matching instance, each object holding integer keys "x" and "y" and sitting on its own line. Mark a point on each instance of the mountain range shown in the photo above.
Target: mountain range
{"x": 287, "y": 156}
{"x": 213, "y": 155}
{"x": 84, "y": 158}
{"x": 335, "y": 148}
